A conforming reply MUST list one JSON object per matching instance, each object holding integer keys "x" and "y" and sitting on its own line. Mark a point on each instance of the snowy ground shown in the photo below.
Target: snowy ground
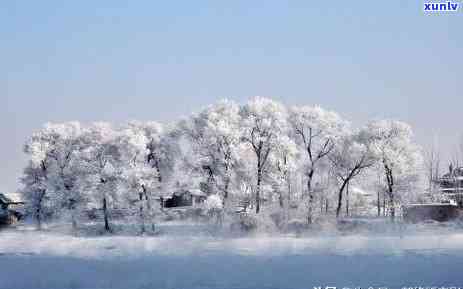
{"x": 29, "y": 259}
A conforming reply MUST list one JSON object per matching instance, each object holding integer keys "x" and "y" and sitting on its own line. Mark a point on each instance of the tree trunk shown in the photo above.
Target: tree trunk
{"x": 73, "y": 220}
{"x": 38, "y": 210}
{"x": 378, "y": 204}
{"x": 105, "y": 213}
{"x": 391, "y": 202}
{"x": 322, "y": 203}
{"x": 225, "y": 191}
{"x": 311, "y": 197}
{"x": 158, "y": 170}
{"x": 338, "y": 209}
{"x": 347, "y": 199}
{"x": 259, "y": 180}
{"x": 227, "y": 185}
{"x": 390, "y": 185}
{"x": 38, "y": 216}
{"x": 72, "y": 208}
{"x": 142, "y": 216}
{"x": 384, "y": 205}
{"x": 288, "y": 181}
{"x": 148, "y": 207}
{"x": 392, "y": 206}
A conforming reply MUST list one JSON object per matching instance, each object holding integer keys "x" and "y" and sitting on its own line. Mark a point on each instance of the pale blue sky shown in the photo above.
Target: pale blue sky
{"x": 159, "y": 60}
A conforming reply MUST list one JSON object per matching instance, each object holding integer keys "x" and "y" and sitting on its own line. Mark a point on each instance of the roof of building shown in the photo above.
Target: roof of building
{"x": 193, "y": 192}
{"x": 4, "y": 199}
{"x": 10, "y": 198}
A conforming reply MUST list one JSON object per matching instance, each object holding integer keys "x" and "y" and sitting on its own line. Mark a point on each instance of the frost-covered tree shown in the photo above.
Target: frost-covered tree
{"x": 282, "y": 164}
{"x": 316, "y": 131}
{"x": 215, "y": 137}
{"x": 101, "y": 156}
{"x": 147, "y": 152}
{"x": 54, "y": 155}
{"x": 71, "y": 164}
{"x": 162, "y": 149}
{"x": 263, "y": 121}
{"x": 65, "y": 140}
{"x": 246, "y": 153}
{"x": 35, "y": 179}
{"x": 138, "y": 177}
{"x": 401, "y": 159}
{"x": 349, "y": 157}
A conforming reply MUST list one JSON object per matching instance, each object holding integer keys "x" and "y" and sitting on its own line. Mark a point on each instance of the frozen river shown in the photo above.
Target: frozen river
{"x": 45, "y": 260}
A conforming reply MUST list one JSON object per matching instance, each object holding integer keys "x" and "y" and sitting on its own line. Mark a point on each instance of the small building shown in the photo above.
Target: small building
{"x": 9, "y": 216}
{"x": 183, "y": 199}
{"x": 451, "y": 185}
{"x": 440, "y": 212}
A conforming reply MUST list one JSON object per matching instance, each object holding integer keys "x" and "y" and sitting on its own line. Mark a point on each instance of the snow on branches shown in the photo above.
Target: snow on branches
{"x": 250, "y": 155}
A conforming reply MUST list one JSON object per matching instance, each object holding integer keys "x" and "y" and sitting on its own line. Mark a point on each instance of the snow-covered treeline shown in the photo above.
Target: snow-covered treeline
{"x": 262, "y": 155}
